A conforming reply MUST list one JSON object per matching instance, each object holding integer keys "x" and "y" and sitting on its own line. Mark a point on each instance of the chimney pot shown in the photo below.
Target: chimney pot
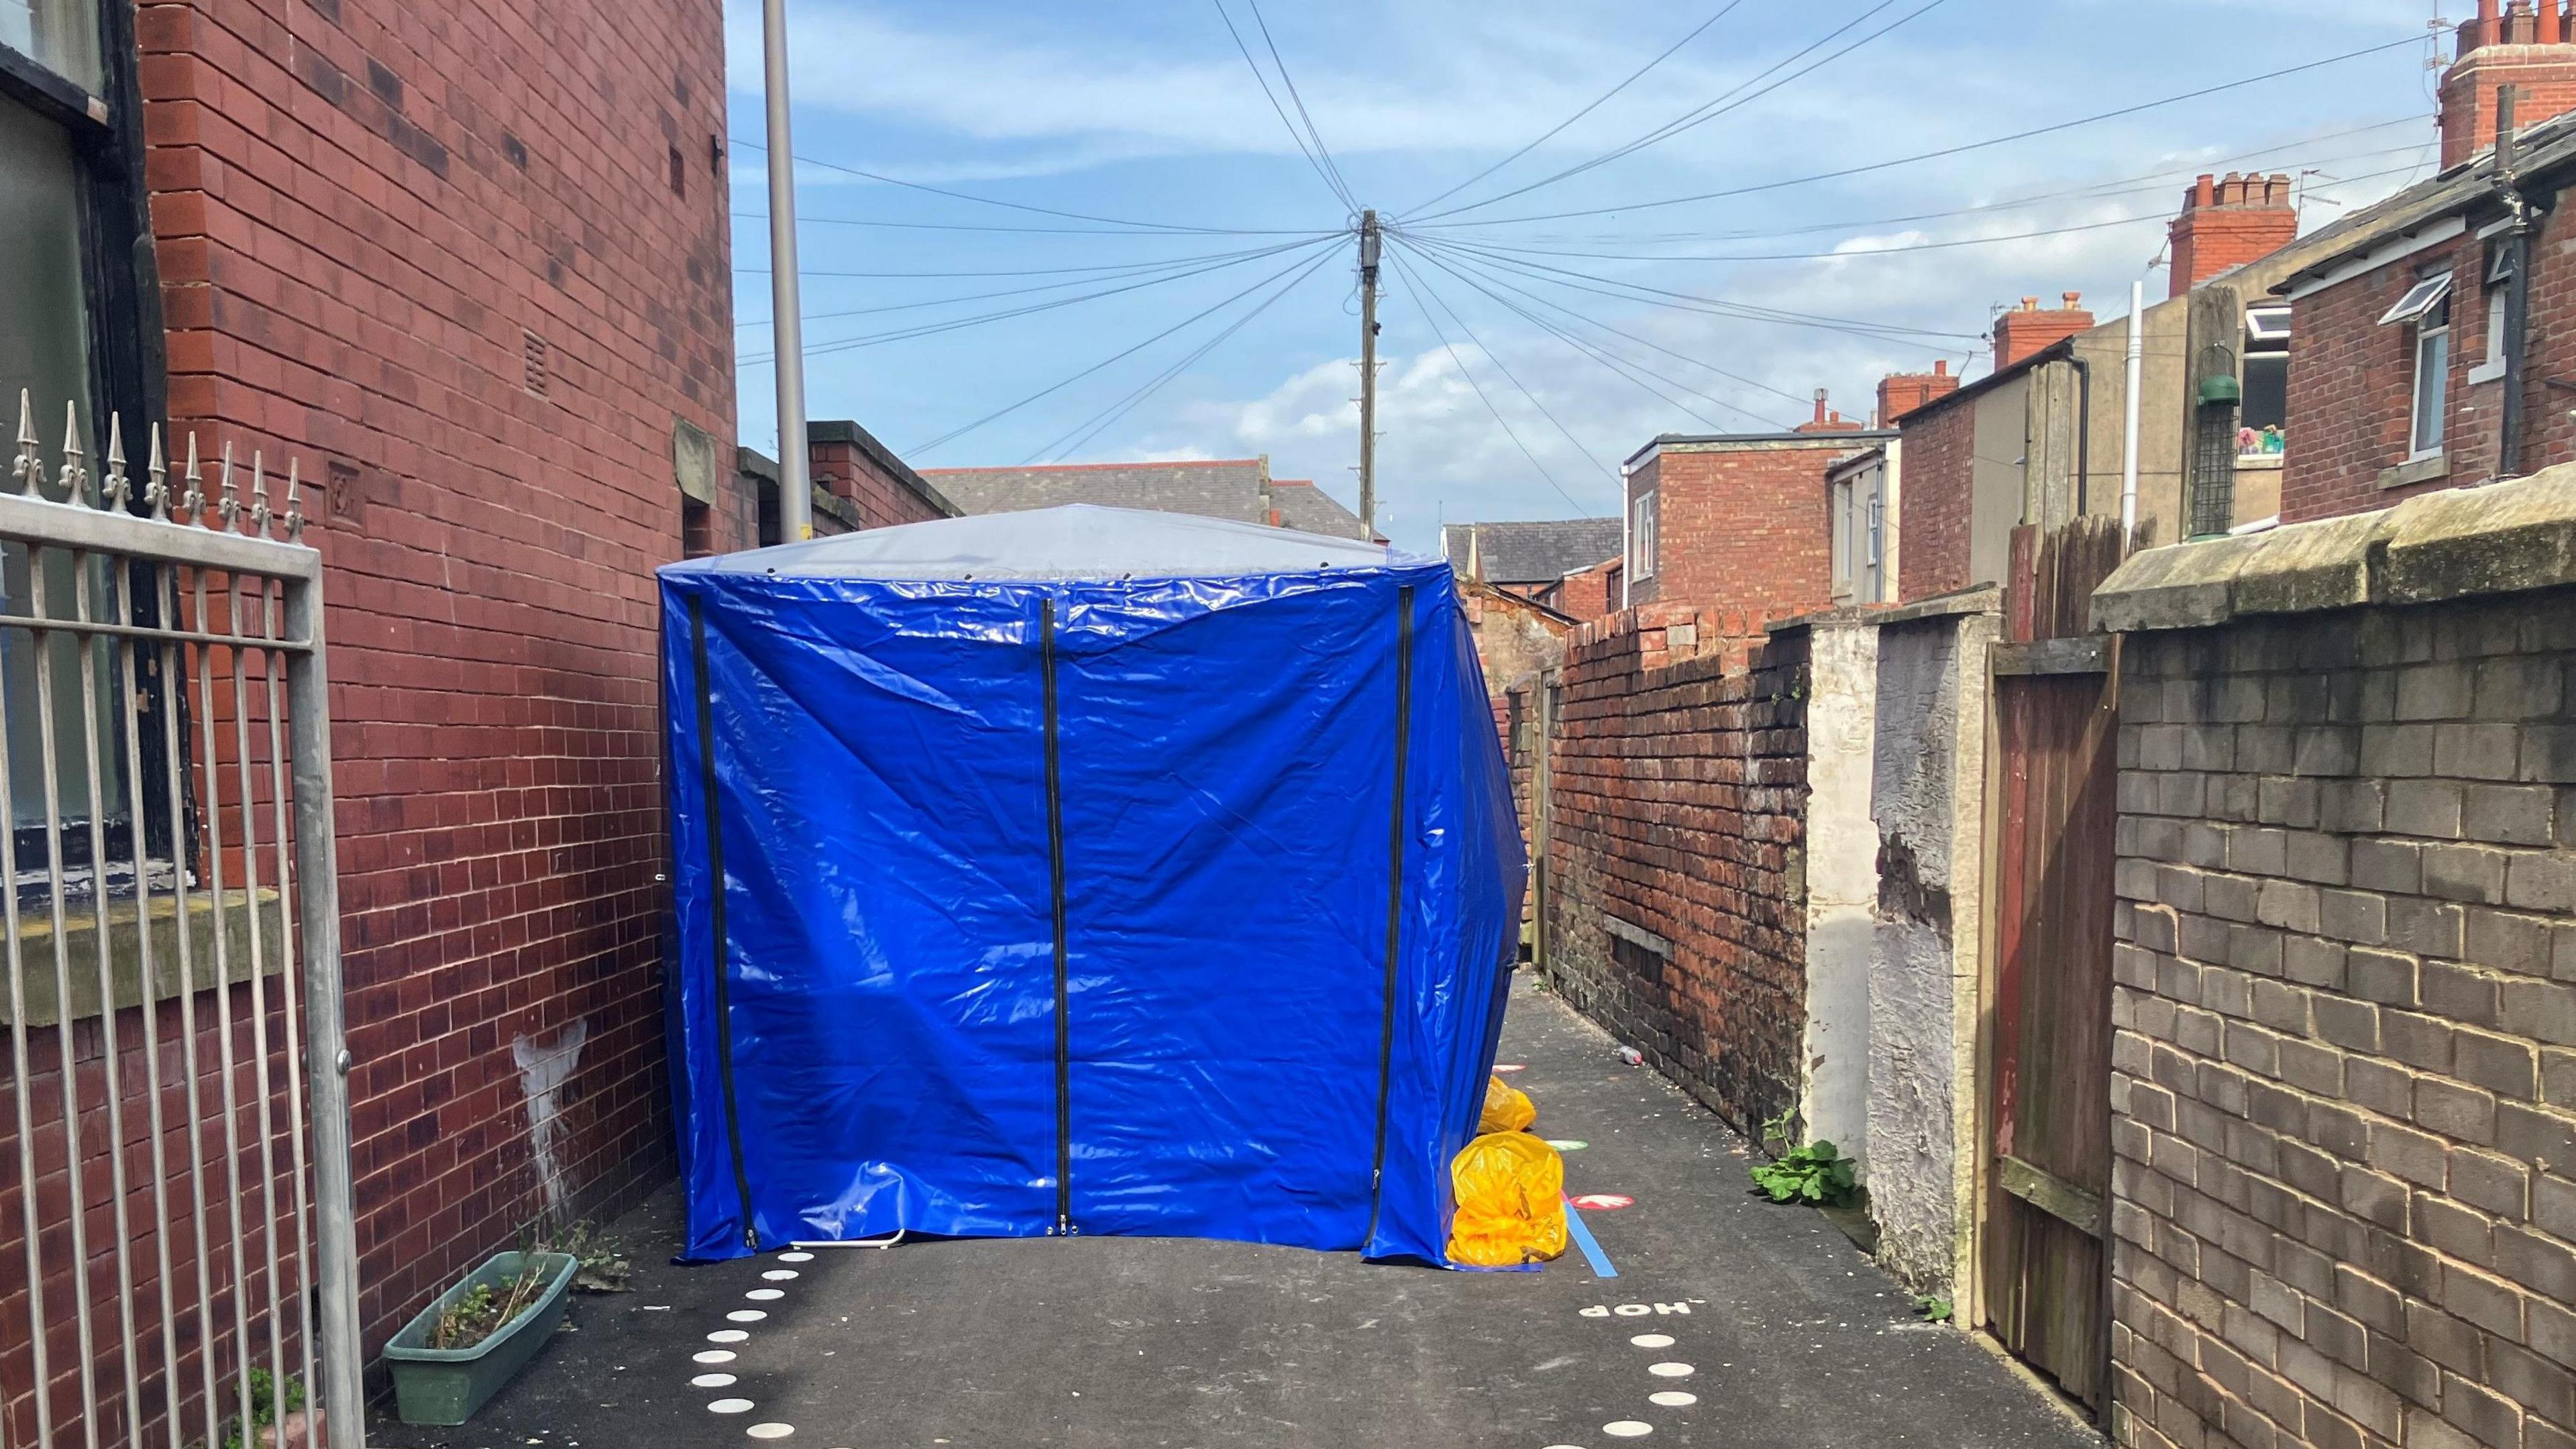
{"x": 2487, "y": 26}
{"x": 2030, "y": 304}
{"x": 2551, "y": 30}
{"x": 2072, "y": 298}
{"x": 1941, "y": 367}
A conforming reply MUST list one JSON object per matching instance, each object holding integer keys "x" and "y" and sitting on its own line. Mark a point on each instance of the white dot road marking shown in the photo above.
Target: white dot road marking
{"x": 730, "y": 1406}
{"x": 766, "y": 1295}
{"x": 714, "y": 1355}
{"x": 745, "y": 1315}
{"x": 727, "y": 1335}
{"x": 1653, "y": 1340}
{"x": 712, "y": 1381}
{"x": 1627, "y": 1429}
{"x": 799, "y": 1257}
{"x": 1670, "y": 1370}
{"x": 1672, "y": 1399}
{"x": 770, "y": 1431}
{"x": 780, "y": 1275}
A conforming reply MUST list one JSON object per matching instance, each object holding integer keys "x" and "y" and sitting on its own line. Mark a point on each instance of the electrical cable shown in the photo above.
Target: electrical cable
{"x": 955, "y": 433}
{"x": 904, "y": 334}
{"x": 1094, "y": 270}
{"x": 1710, "y": 110}
{"x": 1621, "y": 366}
{"x": 1138, "y": 270}
{"x": 740, "y": 144}
{"x": 1460, "y": 363}
{"x": 1941, "y": 154}
{"x": 1331, "y": 182}
{"x": 804, "y": 220}
{"x": 1102, "y": 421}
{"x": 1500, "y": 366}
{"x": 1553, "y": 131}
{"x": 1341, "y": 184}
{"x": 1484, "y": 269}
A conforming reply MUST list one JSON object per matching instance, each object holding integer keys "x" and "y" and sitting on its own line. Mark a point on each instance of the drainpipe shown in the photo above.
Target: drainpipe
{"x": 2517, "y": 294}
{"x": 2083, "y": 432}
{"x": 2137, "y": 391}
{"x": 1627, "y": 545}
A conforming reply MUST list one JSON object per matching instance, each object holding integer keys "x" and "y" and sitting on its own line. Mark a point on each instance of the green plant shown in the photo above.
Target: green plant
{"x": 1782, "y": 1129}
{"x": 605, "y": 1268}
{"x": 1817, "y": 1173}
{"x": 264, "y": 1407}
{"x": 478, "y": 1312}
{"x": 1933, "y": 1309}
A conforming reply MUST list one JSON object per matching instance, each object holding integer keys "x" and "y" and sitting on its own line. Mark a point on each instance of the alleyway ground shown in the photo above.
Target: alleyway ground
{"x": 1792, "y": 1339}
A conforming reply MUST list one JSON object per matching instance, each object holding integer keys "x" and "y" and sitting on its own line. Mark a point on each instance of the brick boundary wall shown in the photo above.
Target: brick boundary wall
{"x": 1939, "y": 502}
{"x": 1677, "y": 913}
{"x": 2345, "y": 1057}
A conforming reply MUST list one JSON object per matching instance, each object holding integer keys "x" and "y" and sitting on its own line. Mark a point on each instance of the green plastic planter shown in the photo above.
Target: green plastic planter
{"x": 446, "y": 1385}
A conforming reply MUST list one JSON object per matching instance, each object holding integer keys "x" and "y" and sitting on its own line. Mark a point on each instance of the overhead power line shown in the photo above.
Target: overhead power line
{"x": 1136, "y": 270}
{"x": 803, "y": 220}
{"x": 1332, "y": 182}
{"x": 1341, "y": 184}
{"x": 903, "y": 334}
{"x": 1728, "y": 101}
{"x": 998, "y": 413}
{"x": 1941, "y": 154}
{"x": 744, "y": 145}
{"x": 1421, "y": 299}
{"x": 1597, "y": 102}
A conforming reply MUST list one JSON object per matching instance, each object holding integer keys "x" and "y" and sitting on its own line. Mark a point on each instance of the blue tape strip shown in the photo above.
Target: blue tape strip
{"x": 1583, "y": 1239}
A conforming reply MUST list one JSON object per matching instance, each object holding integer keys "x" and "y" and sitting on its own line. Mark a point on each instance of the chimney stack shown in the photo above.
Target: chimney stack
{"x": 1906, "y": 392}
{"x": 1826, "y": 421}
{"x": 2029, "y": 328}
{"x": 2529, "y": 47}
{"x": 2225, "y": 224}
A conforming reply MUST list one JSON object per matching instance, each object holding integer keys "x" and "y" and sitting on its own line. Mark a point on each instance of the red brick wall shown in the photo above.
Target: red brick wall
{"x": 1587, "y": 594}
{"x": 2225, "y": 224}
{"x": 2351, "y": 381}
{"x": 882, "y": 498}
{"x": 364, "y": 211}
{"x": 2545, "y": 76}
{"x": 1901, "y": 393}
{"x": 1936, "y": 504}
{"x": 2031, "y": 328}
{"x": 1679, "y": 780}
{"x": 1743, "y": 528}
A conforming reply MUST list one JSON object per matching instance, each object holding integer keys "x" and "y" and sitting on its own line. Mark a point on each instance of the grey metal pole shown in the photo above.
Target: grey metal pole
{"x": 1368, "y": 373}
{"x": 795, "y": 483}
{"x": 2136, "y": 396}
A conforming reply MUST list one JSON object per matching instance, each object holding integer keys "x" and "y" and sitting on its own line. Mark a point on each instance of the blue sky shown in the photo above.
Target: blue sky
{"x": 1142, "y": 113}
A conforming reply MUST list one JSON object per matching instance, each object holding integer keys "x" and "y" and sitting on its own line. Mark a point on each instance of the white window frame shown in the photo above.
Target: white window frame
{"x": 2416, "y": 421}
{"x": 2420, "y": 300}
{"x": 1643, "y": 539}
{"x": 1844, "y": 549}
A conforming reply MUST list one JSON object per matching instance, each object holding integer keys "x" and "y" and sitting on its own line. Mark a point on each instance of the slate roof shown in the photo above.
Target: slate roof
{"x": 1532, "y": 553}
{"x": 1213, "y": 488}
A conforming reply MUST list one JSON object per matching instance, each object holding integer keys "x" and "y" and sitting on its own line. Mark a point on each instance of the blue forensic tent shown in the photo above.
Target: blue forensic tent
{"x": 1081, "y": 870}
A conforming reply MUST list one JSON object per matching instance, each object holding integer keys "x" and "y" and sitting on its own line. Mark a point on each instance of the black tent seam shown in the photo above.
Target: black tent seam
{"x": 1055, "y": 886}
{"x": 716, "y": 914}
{"x": 1394, "y": 897}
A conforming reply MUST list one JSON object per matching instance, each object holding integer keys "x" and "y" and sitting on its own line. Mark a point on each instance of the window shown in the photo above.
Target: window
{"x": 2432, "y": 380}
{"x": 1843, "y": 520}
{"x": 1641, "y": 534}
{"x": 2499, "y": 292}
{"x": 74, "y": 326}
{"x": 2263, "y": 413}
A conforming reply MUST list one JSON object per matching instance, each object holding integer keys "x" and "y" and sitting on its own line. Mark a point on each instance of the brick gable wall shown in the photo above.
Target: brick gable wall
{"x": 1678, "y": 777}
{"x": 1741, "y": 529}
{"x": 883, "y": 500}
{"x": 1937, "y": 504}
{"x": 364, "y": 211}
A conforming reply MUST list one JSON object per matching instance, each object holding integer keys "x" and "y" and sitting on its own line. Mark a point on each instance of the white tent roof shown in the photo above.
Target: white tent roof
{"x": 1077, "y": 541}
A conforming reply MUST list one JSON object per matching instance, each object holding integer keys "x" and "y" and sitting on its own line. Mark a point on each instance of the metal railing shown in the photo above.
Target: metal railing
{"x": 180, "y": 1199}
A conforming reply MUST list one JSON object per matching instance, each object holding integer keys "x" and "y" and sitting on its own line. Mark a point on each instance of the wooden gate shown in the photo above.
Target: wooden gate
{"x": 2047, "y": 1159}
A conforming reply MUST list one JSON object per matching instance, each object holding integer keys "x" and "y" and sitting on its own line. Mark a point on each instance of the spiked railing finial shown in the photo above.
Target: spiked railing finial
{"x": 156, "y": 485}
{"x": 75, "y": 475}
{"x": 258, "y": 497}
{"x": 193, "y": 502}
{"x": 228, "y": 506}
{"x": 294, "y": 503}
{"x": 119, "y": 490}
{"x": 29, "y": 466}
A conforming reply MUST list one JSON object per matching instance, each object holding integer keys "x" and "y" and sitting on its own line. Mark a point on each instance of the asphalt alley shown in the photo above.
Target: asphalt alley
{"x": 1731, "y": 1322}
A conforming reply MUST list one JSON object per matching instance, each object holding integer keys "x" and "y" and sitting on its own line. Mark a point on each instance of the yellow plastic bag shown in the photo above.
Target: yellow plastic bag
{"x": 1511, "y": 1202}
{"x": 1506, "y": 1109}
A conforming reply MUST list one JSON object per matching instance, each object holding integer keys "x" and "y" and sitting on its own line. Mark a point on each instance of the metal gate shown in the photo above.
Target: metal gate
{"x": 174, "y": 1157}
{"x": 2046, "y": 1171}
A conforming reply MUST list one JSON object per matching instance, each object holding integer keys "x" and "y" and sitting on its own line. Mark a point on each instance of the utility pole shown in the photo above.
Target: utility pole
{"x": 1368, "y": 372}
{"x": 786, "y": 308}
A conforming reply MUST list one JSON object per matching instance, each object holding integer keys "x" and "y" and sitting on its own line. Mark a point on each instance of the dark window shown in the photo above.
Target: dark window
{"x": 773, "y": 528}
{"x": 2267, "y": 391}
{"x": 679, "y": 174}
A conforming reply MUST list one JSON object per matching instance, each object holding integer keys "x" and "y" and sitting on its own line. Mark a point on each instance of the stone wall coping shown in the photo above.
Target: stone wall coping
{"x": 2499, "y": 538}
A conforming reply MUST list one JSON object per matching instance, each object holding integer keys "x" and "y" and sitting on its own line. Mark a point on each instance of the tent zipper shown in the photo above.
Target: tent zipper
{"x": 1394, "y": 896}
{"x": 1055, "y": 891}
{"x": 716, "y": 919}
